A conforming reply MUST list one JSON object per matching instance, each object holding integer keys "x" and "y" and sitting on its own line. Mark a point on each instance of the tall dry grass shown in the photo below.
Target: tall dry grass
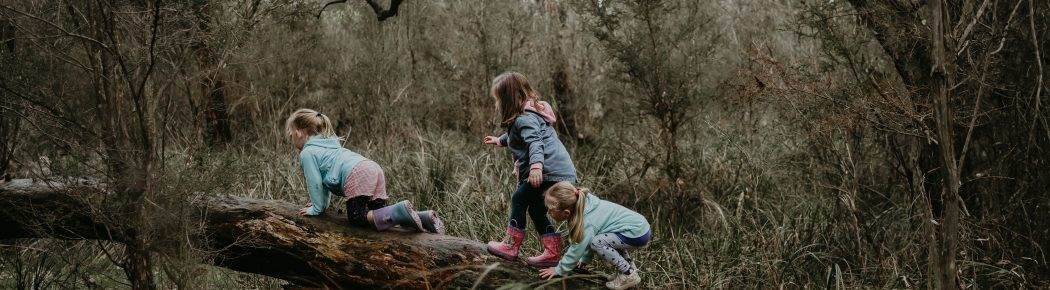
{"x": 757, "y": 206}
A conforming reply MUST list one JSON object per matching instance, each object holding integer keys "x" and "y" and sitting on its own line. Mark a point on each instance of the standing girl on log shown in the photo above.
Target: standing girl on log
{"x": 330, "y": 168}
{"x": 540, "y": 160}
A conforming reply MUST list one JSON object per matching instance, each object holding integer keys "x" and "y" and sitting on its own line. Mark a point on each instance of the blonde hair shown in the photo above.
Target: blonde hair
{"x": 511, "y": 90}
{"x": 565, "y": 196}
{"x": 309, "y": 122}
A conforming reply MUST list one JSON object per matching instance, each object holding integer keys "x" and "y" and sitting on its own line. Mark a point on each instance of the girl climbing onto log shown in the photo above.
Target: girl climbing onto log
{"x": 604, "y": 227}
{"x": 328, "y": 167}
{"x": 540, "y": 160}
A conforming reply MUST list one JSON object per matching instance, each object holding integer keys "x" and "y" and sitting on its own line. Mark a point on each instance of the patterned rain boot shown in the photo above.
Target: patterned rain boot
{"x": 398, "y": 214}
{"x": 509, "y": 247}
{"x": 431, "y": 222}
{"x": 551, "y": 252}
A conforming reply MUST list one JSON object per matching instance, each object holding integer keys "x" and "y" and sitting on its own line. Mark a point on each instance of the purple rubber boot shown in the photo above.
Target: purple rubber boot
{"x": 398, "y": 214}
{"x": 431, "y": 222}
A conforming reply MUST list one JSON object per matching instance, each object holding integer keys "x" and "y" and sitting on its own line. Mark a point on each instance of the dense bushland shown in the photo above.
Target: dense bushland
{"x": 771, "y": 144}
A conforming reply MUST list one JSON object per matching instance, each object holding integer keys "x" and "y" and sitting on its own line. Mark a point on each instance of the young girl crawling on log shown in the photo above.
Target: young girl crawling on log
{"x": 604, "y": 227}
{"x": 328, "y": 167}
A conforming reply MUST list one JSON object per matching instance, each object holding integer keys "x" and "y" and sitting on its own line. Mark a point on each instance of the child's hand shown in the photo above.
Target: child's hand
{"x": 305, "y": 210}
{"x": 547, "y": 273}
{"x": 535, "y": 177}
{"x": 492, "y": 140}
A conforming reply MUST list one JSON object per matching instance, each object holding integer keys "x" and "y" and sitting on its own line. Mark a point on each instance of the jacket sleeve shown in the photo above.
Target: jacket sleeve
{"x": 530, "y": 133}
{"x": 587, "y": 258}
{"x": 503, "y": 140}
{"x": 318, "y": 194}
{"x": 575, "y": 253}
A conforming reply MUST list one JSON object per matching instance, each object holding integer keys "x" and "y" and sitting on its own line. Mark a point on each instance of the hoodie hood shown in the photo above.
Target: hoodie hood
{"x": 543, "y": 109}
{"x": 592, "y": 203}
{"x": 324, "y": 142}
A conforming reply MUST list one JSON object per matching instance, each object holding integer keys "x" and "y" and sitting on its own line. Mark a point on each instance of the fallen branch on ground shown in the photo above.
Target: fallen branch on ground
{"x": 267, "y": 237}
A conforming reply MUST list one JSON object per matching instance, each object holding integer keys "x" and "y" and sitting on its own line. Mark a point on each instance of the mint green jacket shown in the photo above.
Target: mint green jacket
{"x": 325, "y": 165}
{"x": 601, "y": 217}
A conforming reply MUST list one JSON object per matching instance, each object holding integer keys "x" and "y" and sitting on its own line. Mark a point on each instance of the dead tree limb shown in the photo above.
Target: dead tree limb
{"x": 381, "y": 14}
{"x": 328, "y": 4}
{"x": 267, "y": 237}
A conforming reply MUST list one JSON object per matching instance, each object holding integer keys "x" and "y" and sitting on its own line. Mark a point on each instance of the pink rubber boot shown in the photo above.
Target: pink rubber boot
{"x": 509, "y": 247}
{"x": 551, "y": 252}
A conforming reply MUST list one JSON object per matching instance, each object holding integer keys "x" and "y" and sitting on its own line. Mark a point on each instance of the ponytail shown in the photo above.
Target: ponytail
{"x": 576, "y": 222}
{"x": 326, "y": 129}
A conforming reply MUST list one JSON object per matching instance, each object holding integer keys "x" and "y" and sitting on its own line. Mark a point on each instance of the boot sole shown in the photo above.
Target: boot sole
{"x": 439, "y": 226}
{"x": 501, "y": 255}
{"x": 436, "y": 225}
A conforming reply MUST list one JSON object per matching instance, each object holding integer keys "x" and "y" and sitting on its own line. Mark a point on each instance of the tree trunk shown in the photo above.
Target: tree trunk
{"x": 946, "y": 234}
{"x": 9, "y": 125}
{"x": 9, "y": 122}
{"x": 138, "y": 264}
{"x": 7, "y": 32}
{"x": 267, "y": 237}
{"x": 922, "y": 65}
{"x": 216, "y": 116}
{"x": 564, "y": 96}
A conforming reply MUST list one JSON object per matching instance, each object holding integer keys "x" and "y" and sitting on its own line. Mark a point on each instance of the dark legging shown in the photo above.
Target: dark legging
{"x": 357, "y": 209}
{"x": 528, "y": 199}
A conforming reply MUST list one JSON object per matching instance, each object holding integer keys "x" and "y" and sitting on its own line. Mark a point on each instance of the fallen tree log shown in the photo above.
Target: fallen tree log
{"x": 267, "y": 237}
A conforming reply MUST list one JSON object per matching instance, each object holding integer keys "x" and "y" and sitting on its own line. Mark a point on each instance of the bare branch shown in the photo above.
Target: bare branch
{"x": 56, "y": 26}
{"x": 969, "y": 28}
{"x": 328, "y": 4}
{"x": 152, "y": 47}
{"x": 381, "y": 14}
{"x": 1039, "y": 63}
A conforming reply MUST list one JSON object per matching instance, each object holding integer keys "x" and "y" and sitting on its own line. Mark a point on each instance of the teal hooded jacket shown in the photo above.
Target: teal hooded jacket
{"x": 325, "y": 165}
{"x": 601, "y": 217}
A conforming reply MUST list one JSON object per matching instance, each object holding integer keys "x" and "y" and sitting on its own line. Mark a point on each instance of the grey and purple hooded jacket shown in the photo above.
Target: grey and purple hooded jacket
{"x": 533, "y": 143}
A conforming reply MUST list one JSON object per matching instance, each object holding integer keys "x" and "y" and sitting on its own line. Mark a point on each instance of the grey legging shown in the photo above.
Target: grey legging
{"x": 612, "y": 249}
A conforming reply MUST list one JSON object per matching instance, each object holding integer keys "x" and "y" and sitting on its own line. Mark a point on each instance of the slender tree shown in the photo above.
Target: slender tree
{"x": 946, "y": 233}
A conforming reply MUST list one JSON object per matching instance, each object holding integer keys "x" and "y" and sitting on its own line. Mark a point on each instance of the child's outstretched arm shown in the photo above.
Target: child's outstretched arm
{"x": 573, "y": 255}
{"x": 500, "y": 141}
{"x": 318, "y": 194}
